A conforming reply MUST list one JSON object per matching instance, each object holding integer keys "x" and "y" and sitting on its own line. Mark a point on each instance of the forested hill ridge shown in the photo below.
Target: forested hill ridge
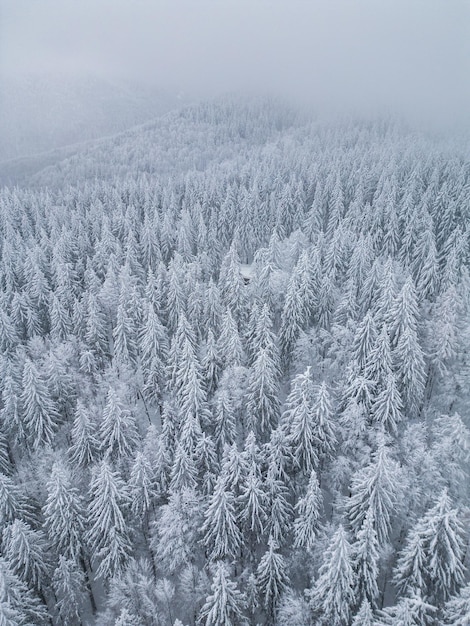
{"x": 43, "y": 111}
{"x": 234, "y": 377}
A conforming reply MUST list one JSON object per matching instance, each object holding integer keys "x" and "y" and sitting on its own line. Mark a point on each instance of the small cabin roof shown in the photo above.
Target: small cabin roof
{"x": 247, "y": 272}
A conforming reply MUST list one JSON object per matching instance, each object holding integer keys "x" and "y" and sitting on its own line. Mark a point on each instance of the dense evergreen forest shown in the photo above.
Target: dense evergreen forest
{"x": 235, "y": 377}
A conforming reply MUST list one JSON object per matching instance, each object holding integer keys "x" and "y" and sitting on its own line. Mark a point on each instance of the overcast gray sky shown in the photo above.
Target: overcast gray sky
{"x": 412, "y": 54}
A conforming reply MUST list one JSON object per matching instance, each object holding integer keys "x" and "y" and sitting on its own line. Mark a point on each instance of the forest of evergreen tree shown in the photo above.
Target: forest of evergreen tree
{"x": 235, "y": 377}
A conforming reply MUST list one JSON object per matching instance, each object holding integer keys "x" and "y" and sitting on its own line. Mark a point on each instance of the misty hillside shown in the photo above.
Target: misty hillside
{"x": 189, "y": 138}
{"x": 42, "y": 112}
{"x": 234, "y": 376}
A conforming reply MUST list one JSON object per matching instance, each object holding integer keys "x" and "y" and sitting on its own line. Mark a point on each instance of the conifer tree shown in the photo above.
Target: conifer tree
{"x": 271, "y": 576}
{"x": 426, "y": 263}
{"x": 229, "y": 344}
{"x": 280, "y": 510}
{"x": 234, "y": 467}
{"x": 175, "y": 294}
{"x": 206, "y": 462}
{"x": 213, "y": 307}
{"x": 444, "y": 330}
{"x": 278, "y": 454}
{"x": 211, "y": 363}
{"x": 252, "y": 504}
{"x": 364, "y": 341}
{"x": 17, "y": 601}
{"x": 324, "y": 431}
{"x": 13, "y": 501}
{"x": 141, "y": 485}
{"x": 124, "y": 333}
{"x": 411, "y": 371}
{"x": 375, "y": 488}
{"x": 69, "y": 584}
{"x": 108, "y": 533}
{"x": 379, "y": 363}
{"x": 224, "y": 418}
{"x": 405, "y": 312}
{"x": 332, "y": 597}
{"x": 191, "y": 398}
{"x": 456, "y": 611}
{"x": 432, "y": 560}
{"x": 153, "y": 346}
{"x": 64, "y": 513}
{"x": 299, "y": 418}
{"x": 61, "y": 323}
{"x": 184, "y": 470}
{"x": 364, "y": 617}
{"x": 222, "y": 536}
{"x": 10, "y": 413}
{"x": 25, "y": 550}
{"x": 410, "y": 611}
{"x": 176, "y": 531}
{"x": 387, "y": 406}
{"x": 84, "y": 441}
{"x": 365, "y": 556}
{"x": 40, "y": 415}
{"x": 224, "y": 607}
{"x": 263, "y": 393}
{"x": 263, "y": 336}
{"x": 95, "y": 326}
{"x": 231, "y": 284}
{"x": 118, "y": 429}
{"x": 292, "y": 318}
{"x": 308, "y": 510}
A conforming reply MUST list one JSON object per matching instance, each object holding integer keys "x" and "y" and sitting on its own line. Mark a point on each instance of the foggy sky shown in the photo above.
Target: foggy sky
{"x": 412, "y": 55}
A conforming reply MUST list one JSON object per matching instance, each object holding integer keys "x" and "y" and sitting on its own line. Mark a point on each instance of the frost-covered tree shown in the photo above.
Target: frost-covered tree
{"x": 222, "y": 536}
{"x": 365, "y": 555}
{"x": 280, "y": 510}
{"x": 387, "y": 406}
{"x": 411, "y": 371}
{"x": 299, "y": 420}
{"x": 176, "y": 535}
{"x": 211, "y": 363}
{"x": 17, "y": 602}
{"x": 271, "y": 576}
{"x": 263, "y": 404}
{"x": 405, "y": 312}
{"x": 224, "y": 607}
{"x": 410, "y": 611}
{"x": 432, "y": 559}
{"x": 332, "y": 597}
{"x": 84, "y": 440}
{"x": 229, "y": 344}
{"x": 324, "y": 428}
{"x": 225, "y": 418}
{"x": 25, "y": 550}
{"x": 252, "y": 504}
{"x": 69, "y": 584}
{"x": 293, "y": 316}
{"x": 64, "y": 513}
{"x": 456, "y": 611}
{"x": 108, "y": 531}
{"x": 232, "y": 288}
{"x": 118, "y": 430}
{"x": 184, "y": 470}
{"x": 308, "y": 513}
{"x": 40, "y": 416}
{"x": 13, "y": 501}
{"x": 365, "y": 616}
{"x": 375, "y": 489}
{"x": 142, "y": 485}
